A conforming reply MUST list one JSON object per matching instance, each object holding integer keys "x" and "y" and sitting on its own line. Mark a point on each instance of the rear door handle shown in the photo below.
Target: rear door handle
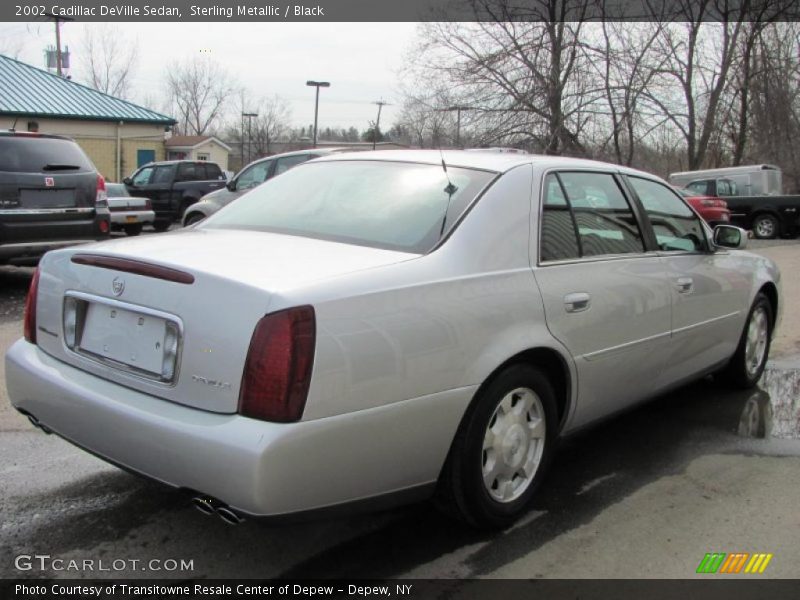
{"x": 577, "y": 302}
{"x": 685, "y": 285}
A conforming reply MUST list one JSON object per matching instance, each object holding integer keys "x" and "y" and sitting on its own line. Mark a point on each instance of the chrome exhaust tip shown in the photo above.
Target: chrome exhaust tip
{"x": 204, "y": 504}
{"x": 227, "y": 515}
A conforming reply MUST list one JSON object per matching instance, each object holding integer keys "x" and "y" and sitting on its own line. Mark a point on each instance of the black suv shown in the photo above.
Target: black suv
{"x": 173, "y": 186}
{"x": 51, "y": 195}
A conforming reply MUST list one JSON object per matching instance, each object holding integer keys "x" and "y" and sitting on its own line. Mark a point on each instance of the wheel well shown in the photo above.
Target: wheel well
{"x": 554, "y": 366}
{"x": 771, "y": 292}
{"x": 765, "y": 211}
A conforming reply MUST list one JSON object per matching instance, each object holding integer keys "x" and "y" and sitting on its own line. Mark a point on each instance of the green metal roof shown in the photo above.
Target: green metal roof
{"x": 28, "y": 91}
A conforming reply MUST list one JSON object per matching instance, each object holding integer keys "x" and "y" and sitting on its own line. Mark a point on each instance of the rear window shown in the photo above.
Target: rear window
{"x": 116, "y": 190}
{"x": 21, "y": 154}
{"x": 396, "y": 206}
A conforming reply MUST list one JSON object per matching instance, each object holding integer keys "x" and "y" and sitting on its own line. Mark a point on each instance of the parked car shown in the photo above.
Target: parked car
{"x": 746, "y": 180}
{"x": 128, "y": 213}
{"x": 400, "y": 324}
{"x": 51, "y": 196}
{"x": 714, "y": 210}
{"x": 173, "y": 186}
{"x": 768, "y": 216}
{"x": 252, "y": 175}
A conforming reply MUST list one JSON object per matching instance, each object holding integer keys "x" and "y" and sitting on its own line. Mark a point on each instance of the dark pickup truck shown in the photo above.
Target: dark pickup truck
{"x": 766, "y": 216}
{"x": 173, "y": 186}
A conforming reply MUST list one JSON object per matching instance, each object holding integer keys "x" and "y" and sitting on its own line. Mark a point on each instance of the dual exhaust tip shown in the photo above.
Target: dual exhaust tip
{"x": 209, "y": 506}
{"x": 205, "y": 504}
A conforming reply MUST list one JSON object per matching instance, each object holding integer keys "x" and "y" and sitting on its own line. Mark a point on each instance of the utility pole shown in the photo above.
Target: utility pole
{"x": 249, "y": 134}
{"x": 377, "y": 128}
{"x": 458, "y": 110}
{"x": 57, "y": 20}
{"x": 317, "y": 84}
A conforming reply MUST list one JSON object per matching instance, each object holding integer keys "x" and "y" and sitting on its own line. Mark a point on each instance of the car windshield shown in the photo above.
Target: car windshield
{"x": 391, "y": 205}
{"x": 116, "y": 190}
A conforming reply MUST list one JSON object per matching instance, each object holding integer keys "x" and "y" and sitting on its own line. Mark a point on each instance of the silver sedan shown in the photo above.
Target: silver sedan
{"x": 388, "y": 326}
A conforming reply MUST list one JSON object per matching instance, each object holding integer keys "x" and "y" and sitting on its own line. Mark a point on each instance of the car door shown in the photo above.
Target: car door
{"x": 708, "y": 293}
{"x": 605, "y": 295}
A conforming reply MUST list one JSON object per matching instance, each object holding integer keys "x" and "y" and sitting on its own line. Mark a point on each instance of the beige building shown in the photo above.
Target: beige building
{"x": 118, "y": 136}
{"x": 198, "y": 147}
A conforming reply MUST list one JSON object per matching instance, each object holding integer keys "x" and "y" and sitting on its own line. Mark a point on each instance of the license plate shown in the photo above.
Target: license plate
{"x": 130, "y": 219}
{"x": 46, "y": 198}
{"x": 124, "y": 336}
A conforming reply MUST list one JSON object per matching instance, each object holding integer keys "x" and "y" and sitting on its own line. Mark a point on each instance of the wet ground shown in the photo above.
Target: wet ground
{"x": 646, "y": 494}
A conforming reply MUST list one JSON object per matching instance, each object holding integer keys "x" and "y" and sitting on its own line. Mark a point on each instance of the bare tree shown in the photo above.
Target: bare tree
{"x": 272, "y": 123}
{"x": 199, "y": 89}
{"x": 523, "y": 70}
{"x": 109, "y": 57}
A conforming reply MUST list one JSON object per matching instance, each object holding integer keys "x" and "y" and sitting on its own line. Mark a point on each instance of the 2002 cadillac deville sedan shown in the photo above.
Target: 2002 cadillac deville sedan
{"x": 388, "y": 325}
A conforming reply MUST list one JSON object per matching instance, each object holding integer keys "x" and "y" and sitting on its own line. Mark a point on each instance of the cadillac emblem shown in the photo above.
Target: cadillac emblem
{"x": 118, "y": 286}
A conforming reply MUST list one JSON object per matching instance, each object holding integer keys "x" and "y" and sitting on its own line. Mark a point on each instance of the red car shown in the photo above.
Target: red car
{"x": 713, "y": 209}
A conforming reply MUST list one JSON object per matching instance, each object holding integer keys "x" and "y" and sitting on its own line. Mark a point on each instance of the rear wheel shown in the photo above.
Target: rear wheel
{"x": 747, "y": 364}
{"x": 765, "y": 227}
{"x": 502, "y": 449}
{"x": 133, "y": 229}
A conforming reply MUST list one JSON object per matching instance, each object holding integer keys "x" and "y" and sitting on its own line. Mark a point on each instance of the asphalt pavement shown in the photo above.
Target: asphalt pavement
{"x": 646, "y": 494}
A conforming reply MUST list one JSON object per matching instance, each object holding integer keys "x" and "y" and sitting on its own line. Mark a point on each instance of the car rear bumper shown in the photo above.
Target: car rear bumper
{"x": 132, "y": 216}
{"x": 255, "y": 467}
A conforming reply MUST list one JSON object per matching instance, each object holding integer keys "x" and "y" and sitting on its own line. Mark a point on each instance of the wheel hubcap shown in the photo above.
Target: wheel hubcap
{"x": 765, "y": 228}
{"x": 756, "y": 344}
{"x": 513, "y": 445}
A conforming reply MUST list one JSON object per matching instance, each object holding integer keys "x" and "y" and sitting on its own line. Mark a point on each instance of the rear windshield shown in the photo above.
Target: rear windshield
{"x": 391, "y": 205}
{"x": 116, "y": 190}
{"x": 20, "y": 154}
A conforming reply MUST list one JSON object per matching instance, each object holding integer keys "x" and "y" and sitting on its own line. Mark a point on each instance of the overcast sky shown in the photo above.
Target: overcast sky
{"x": 361, "y": 60}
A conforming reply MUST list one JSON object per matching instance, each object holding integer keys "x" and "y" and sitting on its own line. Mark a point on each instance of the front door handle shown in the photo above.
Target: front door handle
{"x": 577, "y": 302}
{"x": 685, "y": 285}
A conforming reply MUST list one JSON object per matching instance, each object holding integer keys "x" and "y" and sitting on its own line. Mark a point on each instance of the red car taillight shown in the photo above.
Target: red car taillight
{"x": 29, "y": 322}
{"x": 101, "y": 199}
{"x": 277, "y": 372}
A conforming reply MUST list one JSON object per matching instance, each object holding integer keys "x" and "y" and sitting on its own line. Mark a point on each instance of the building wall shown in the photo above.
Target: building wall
{"x": 99, "y": 140}
{"x": 215, "y": 152}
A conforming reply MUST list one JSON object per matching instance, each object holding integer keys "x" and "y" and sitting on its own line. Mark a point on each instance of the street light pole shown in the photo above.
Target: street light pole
{"x": 317, "y": 84}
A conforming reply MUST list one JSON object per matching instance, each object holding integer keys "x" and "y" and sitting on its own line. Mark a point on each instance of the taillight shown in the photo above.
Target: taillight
{"x": 29, "y": 322}
{"x": 101, "y": 199}
{"x": 708, "y": 202}
{"x": 277, "y": 372}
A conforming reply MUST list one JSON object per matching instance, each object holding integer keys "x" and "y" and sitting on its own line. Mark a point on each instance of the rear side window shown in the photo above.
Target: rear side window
{"x": 601, "y": 219}
{"x": 163, "y": 174}
{"x": 559, "y": 235}
{"x": 287, "y": 162}
{"x": 213, "y": 171}
{"x": 22, "y": 154}
{"x": 676, "y": 226}
{"x": 190, "y": 172}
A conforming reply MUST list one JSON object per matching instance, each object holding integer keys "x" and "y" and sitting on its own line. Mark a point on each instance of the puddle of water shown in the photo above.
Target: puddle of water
{"x": 773, "y": 410}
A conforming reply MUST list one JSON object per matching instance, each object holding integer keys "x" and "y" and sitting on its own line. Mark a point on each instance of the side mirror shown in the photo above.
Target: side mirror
{"x": 728, "y": 236}
{"x": 231, "y": 185}
{"x": 127, "y": 181}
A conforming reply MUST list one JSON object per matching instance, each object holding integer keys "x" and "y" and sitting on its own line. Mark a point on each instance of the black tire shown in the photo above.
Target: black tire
{"x": 193, "y": 218}
{"x": 736, "y": 373}
{"x": 461, "y": 490}
{"x": 161, "y": 225}
{"x": 133, "y": 229}
{"x": 766, "y": 227}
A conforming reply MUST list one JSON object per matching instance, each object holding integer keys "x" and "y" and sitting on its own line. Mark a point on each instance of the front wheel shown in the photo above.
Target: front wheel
{"x": 193, "y": 218}
{"x": 747, "y": 364}
{"x": 765, "y": 227}
{"x": 502, "y": 449}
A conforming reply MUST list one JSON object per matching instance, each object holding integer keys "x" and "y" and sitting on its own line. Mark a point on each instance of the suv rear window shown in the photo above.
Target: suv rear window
{"x": 22, "y": 154}
{"x": 390, "y": 205}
